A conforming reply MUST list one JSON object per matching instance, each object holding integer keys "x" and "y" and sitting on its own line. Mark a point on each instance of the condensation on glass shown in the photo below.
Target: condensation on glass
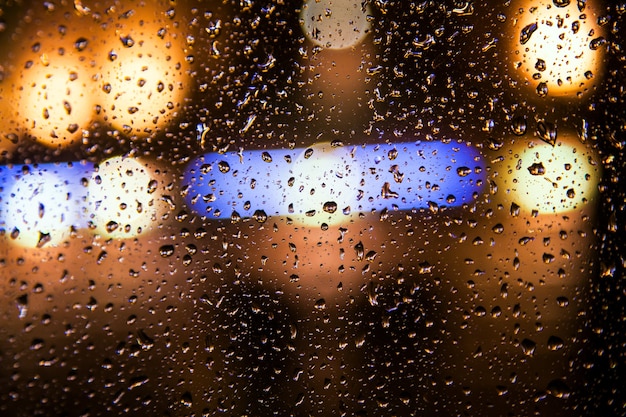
{"x": 312, "y": 207}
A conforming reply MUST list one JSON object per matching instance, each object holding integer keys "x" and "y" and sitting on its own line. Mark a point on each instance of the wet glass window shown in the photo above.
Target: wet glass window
{"x": 317, "y": 207}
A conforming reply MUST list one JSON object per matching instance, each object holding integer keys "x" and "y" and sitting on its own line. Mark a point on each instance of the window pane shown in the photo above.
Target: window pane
{"x": 327, "y": 207}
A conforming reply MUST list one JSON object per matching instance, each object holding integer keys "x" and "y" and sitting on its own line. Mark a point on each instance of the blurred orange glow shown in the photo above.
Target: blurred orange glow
{"x": 557, "y": 50}
{"x": 9, "y": 130}
{"x": 54, "y": 97}
{"x": 144, "y": 78}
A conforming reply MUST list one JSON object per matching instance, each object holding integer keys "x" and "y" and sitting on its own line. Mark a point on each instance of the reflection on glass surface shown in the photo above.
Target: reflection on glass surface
{"x": 311, "y": 208}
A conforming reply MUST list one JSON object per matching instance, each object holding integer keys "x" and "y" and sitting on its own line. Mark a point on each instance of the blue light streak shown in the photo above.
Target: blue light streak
{"x": 401, "y": 176}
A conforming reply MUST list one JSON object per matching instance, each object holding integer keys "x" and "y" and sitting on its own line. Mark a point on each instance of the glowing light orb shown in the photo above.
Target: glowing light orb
{"x": 144, "y": 79}
{"x": 328, "y": 184}
{"x": 558, "y": 50}
{"x": 40, "y": 206}
{"x": 551, "y": 179}
{"x": 54, "y": 100}
{"x": 335, "y": 24}
{"x": 123, "y": 198}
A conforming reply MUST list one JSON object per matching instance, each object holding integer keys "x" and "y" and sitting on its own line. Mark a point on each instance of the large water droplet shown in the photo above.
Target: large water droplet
{"x": 528, "y": 347}
{"x": 527, "y": 32}
{"x": 558, "y": 388}
{"x": 547, "y": 132}
{"x": 518, "y": 125}
{"x": 22, "y": 305}
{"x": 330, "y": 207}
{"x": 166, "y": 251}
{"x": 537, "y": 169}
{"x": 542, "y": 89}
{"x": 223, "y": 167}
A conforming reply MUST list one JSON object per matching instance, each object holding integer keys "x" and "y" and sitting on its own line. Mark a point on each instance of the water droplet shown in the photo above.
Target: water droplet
{"x": 540, "y": 65}
{"x": 547, "y": 132}
{"x": 392, "y": 154}
{"x": 223, "y": 167}
{"x": 495, "y": 144}
{"x": 498, "y": 228}
{"x": 330, "y": 207}
{"x": 561, "y": 3}
{"x": 111, "y": 226}
{"x": 92, "y": 304}
{"x": 37, "y": 344}
{"x": 320, "y": 304}
{"x": 266, "y": 157}
{"x": 537, "y": 169}
{"x": 360, "y": 251}
{"x": 555, "y": 343}
{"x": 386, "y": 191}
{"x": 127, "y": 41}
{"x": 527, "y": 32}
{"x": 145, "y": 341}
{"x": 528, "y": 347}
{"x": 562, "y": 301}
{"x": 166, "y": 251}
{"x": 260, "y": 216}
{"x": 463, "y": 171}
{"x": 518, "y": 125}
{"x": 152, "y": 186}
{"x": 213, "y": 29}
{"x": 22, "y": 305}
{"x": 515, "y": 209}
{"x": 597, "y": 43}
{"x": 81, "y": 44}
{"x": 186, "y": 400}
{"x": 558, "y": 388}
{"x": 308, "y": 153}
{"x": 542, "y": 89}
{"x": 571, "y": 193}
{"x": 397, "y": 175}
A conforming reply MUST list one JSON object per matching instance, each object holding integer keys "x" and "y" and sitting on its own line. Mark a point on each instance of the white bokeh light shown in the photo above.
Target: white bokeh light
{"x": 41, "y": 208}
{"x": 335, "y": 24}
{"x": 123, "y": 198}
{"x": 551, "y": 179}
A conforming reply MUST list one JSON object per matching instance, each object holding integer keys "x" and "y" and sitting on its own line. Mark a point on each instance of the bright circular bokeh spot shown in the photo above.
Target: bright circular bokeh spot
{"x": 335, "y": 24}
{"x": 54, "y": 100}
{"x": 40, "y": 208}
{"x": 557, "y": 50}
{"x": 551, "y": 179}
{"x": 123, "y": 198}
{"x": 144, "y": 73}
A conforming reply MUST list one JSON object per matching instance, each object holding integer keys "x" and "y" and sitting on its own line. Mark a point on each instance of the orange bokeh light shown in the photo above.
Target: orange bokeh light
{"x": 144, "y": 78}
{"x": 557, "y": 50}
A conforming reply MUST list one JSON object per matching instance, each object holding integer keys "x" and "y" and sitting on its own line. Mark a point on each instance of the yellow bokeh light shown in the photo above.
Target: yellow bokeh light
{"x": 123, "y": 197}
{"x": 144, "y": 74}
{"x": 551, "y": 179}
{"x": 335, "y": 24}
{"x": 557, "y": 50}
{"x": 54, "y": 99}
